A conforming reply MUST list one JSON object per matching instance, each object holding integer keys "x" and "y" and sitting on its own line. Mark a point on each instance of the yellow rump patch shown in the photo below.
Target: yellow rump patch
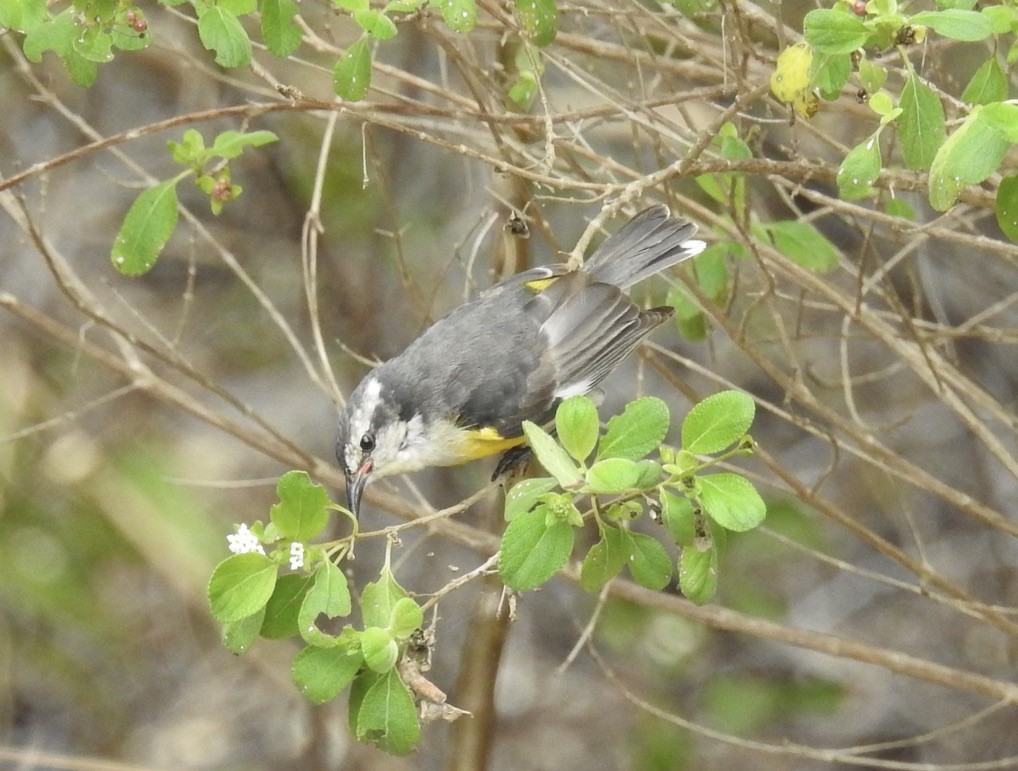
{"x": 481, "y": 442}
{"x": 540, "y": 284}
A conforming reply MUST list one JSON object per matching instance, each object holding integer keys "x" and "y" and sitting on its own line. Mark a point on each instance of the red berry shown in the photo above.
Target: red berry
{"x": 859, "y": 7}
{"x": 130, "y": 16}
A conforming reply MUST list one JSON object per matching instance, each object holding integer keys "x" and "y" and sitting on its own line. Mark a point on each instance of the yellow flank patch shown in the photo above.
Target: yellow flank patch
{"x": 540, "y": 284}
{"x": 481, "y": 442}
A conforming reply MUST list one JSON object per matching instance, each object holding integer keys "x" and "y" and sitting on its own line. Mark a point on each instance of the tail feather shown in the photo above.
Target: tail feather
{"x": 649, "y": 243}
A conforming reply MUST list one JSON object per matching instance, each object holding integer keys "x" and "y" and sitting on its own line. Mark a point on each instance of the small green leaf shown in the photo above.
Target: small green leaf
{"x": 899, "y": 207}
{"x": 385, "y": 715}
{"x": 238, "y": 7}
{"x": 871, "y": 76}
{"x": 967, "y": 26}
{"x": 329, "y": 595}
{"x": 967, "y": 157}
{"x": 406, "y": 618}
{"x": 604, "y": 560}
{"x": 717, "y": 422}
{"x": 230, "y": 144}
{"x": 577, "y": 426}
{"x": 532, "y": 551}
{"x": 731, "y": 501}
{"x": 804, "y": 244}
{"x": 830, "y": 74}
{"x": 613, "y": 475}
{"x": 240, "y": 586}
{"x": 322, "y": 673}
{"x": 1002, "y": 118}
{"x": 698, "y": 574}
{"x": 834, "y": 32}
{"x": 281, "y": 33}
{"x": 351, "y": 76}
{"x": 860, "y": 169}
{"x": 376, "y": 24}
{"x": 550, "y": 454}
{"x": 921, "y": 125}
{"x": 379, "y": 649}
{"x": 640, "y": 428}
{"x": 147, "y": 227}
{"x": 302, "y": 512}
{"x": 524, "y": 495}
{"x": 222, "y": 32}
{"x": 988, "y": 84}
{"x": 353, "y": 5}
{"x": 459, "y": 15}
{"x": 238, "y": 636}
{"x": 284, "y": 605}
{"x": 677, "y": 513}
{"x": 649, "y": 562}
{"x": 649, "y": 474}
{"x": 1001, "y": 17}
{"x": 539, "y": 19}
{"x": 1007, "y": 207}
{"x": 379, "y": 599}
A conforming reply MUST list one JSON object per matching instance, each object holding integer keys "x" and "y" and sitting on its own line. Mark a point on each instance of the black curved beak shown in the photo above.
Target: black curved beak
{"x": 355, "y": 483}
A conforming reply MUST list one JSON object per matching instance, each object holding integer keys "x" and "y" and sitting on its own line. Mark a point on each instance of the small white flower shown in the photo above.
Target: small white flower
{"x": 244, "y": 541}
{"x": 296, "y": 555}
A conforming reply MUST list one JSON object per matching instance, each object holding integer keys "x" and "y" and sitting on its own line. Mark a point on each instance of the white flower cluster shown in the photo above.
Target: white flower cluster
{"x": 296, "y": 555}
{"x": 244, "y": 541}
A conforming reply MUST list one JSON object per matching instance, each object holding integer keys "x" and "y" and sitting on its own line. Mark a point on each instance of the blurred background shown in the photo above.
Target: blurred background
{"x": 141, "y": 418}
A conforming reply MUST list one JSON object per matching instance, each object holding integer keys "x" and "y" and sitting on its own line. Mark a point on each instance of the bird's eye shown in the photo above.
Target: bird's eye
{"x": 368, "y": 442}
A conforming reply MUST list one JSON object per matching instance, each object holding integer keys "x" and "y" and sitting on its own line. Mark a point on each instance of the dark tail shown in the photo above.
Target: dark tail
{"x": 647, "y": 244}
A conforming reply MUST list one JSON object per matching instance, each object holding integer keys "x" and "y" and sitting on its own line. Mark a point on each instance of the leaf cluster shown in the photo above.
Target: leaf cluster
{"x": 250, "y": 597}
{"x": 606, "y": 478}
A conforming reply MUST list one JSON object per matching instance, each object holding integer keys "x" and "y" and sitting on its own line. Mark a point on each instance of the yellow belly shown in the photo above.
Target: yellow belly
{"x": 481, "y": 442}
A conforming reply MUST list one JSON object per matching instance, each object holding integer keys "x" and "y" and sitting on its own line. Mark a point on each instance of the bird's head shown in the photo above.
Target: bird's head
{"x": 375, "y": 438}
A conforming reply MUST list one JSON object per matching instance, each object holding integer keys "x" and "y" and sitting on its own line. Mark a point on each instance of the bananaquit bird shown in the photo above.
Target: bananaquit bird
{"x": 462, "y": 390}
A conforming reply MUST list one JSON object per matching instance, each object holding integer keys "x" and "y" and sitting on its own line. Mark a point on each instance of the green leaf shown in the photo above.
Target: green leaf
{"x": 385, "y": 715}
{"x": 717, "y": 422}
{"x": 830, "y": 74}
{"x": 230, "y": 144}
{"x": 284, "y": 605}
{"x": 551, "y": 455}
{"x": 967, "y": 157}
{"x": 967, "y": 26}
{"x": 22, "y": 15}
{"x": 353, "y": 5}
{"x": 921, "y": 125}
{"x": 871, "y": 76}
{"x": 859, "y": 170}
{"x": 899, "y": 207}
{"x": 376, "y": 24}
{"x": 222, "y": 32}
{"x": 640, "y": 428}
{"x": 351, "y": 76}
{"x": 1007, "y": 207}
{"x": 1001, "y": 17}
{"x": 539, "y": 19}
{"x": 613, "y": 475}
{"x": 677, "y": 514}
{"x": 379, "y": 599}
{"x": 604, "y": 560}
{"x": 329, "y": 595}
{"x": 988, "y": 84}
{"x": 95, "y": 44}
{"x": 649, "y": 562}
{"x": 731, "y": 501}
{"x": 524, "y": 495}
{"x": 532, "y": 551}
{"x": 577, "y": 426}
{"x": 238, "y": 7}
{"x": 698, "y": 574}
{"x": 280, "y": 31}
{"x": 240, "y": 586}
{"x": 459, "y": 15}
{"x": 238, "y": 636}
{"x": 804, "y": 244}
{"x": 649, "y": 474}
{"x": 1002, "y": 118}
{"x": 379, "y": 649}
{"x": 302, "y": 512}
{"x": 406, "y": 618}
{"x": 146, "y": 229}
{"x": 322, "y": 673}
{"x": 834, "y": 32}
